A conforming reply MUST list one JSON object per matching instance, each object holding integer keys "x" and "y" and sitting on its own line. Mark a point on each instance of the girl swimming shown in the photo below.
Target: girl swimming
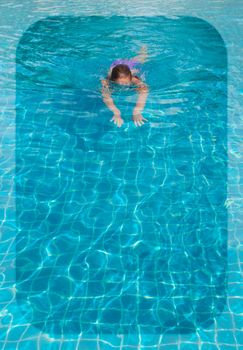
{"x": 122, "y": 72}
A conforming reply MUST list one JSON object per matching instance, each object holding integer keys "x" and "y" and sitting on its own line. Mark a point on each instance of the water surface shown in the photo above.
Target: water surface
{"x": 121, "y": 230}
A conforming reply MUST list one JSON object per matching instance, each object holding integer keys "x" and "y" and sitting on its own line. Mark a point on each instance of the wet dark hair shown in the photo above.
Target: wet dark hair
{"x": 118, "y": 70}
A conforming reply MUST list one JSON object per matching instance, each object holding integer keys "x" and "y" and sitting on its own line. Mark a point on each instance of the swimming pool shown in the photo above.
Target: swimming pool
{"x": 121, "y": 230}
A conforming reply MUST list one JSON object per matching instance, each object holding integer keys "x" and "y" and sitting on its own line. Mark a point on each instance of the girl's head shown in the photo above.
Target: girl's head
{"x": 121, "y": 74}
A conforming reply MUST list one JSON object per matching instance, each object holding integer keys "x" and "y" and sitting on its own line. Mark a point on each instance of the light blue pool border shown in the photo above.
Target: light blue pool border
{"x": 15, "y": 20}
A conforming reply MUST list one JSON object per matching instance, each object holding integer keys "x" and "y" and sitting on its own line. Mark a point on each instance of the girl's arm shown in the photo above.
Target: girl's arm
{"x": 142, "y": 97}
{"x": 107, "y": 97}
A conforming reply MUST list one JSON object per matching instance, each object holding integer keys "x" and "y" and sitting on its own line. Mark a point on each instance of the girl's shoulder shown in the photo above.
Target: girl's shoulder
{"x": 136, "y": 80}
{"x": 141, "y": 86}
{"x": 105, "y": 81}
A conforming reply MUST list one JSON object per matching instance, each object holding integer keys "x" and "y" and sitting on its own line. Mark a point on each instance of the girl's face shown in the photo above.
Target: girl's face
{"x": 123, "y": 80}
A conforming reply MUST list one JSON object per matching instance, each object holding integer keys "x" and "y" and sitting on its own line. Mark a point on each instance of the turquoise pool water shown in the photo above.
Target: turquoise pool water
{"x": 121, "y": 230}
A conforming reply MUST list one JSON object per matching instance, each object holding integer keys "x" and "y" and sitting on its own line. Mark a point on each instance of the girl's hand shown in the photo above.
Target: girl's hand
{"x": 117, "y": 119}
{"x": 138, "y": 119}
